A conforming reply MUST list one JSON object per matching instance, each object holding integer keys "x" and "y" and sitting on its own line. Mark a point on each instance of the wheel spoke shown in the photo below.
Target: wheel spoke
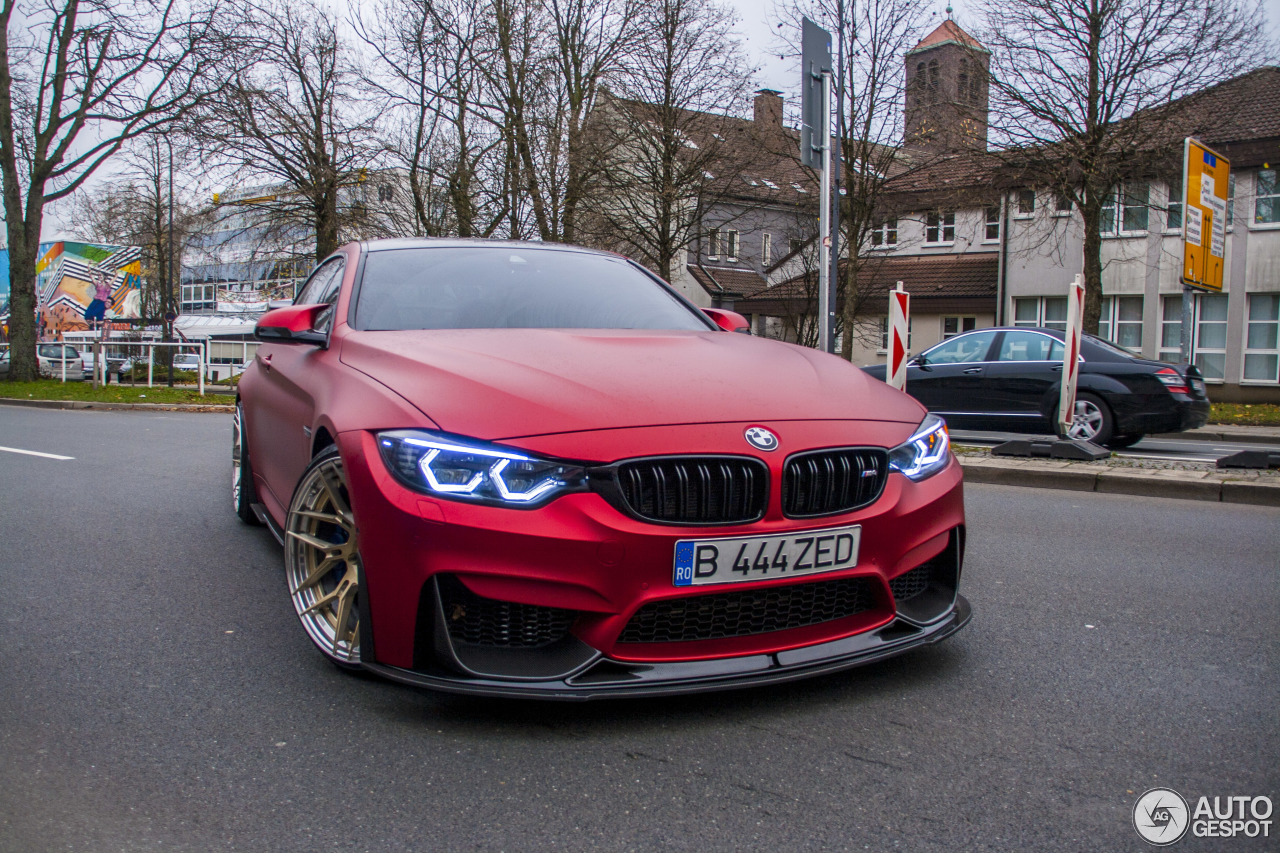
{"x": 333, "y": 486}
{"x": 327, "y": 517}
{"x": 316, "y": 542}
{"x": 346, "y": 593}
{"x": 317, "y": 574}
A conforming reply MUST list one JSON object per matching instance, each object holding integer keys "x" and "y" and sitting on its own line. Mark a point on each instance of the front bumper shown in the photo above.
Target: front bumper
{"x": 432, "y": 570}
{"x": 603, "y": 678}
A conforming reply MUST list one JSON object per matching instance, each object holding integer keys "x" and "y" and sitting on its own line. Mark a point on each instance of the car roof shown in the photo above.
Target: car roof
{"x": 476, "y": 242}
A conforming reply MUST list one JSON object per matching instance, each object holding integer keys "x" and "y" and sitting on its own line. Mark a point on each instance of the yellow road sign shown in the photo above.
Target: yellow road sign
{"x": 1204, "y": 215}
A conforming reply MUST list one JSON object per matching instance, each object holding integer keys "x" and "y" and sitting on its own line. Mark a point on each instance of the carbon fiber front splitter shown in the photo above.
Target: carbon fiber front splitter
{"x": 602, "y": 678}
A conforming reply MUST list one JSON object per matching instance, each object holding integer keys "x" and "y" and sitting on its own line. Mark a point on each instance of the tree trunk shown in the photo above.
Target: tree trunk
{"x": 1091, "y": 212}
{"x": 22, "y": 304}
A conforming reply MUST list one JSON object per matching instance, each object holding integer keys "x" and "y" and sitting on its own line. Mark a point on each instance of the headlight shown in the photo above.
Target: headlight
{"x": 925, "y": 453}
{"x": 463, "y": 470}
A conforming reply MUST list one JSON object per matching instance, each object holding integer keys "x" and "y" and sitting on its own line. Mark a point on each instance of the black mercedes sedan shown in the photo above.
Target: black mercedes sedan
{"x": 1009, "y": 379}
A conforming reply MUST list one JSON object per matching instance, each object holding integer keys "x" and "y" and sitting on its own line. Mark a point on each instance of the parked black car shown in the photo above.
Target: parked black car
{"x": 1009, "y": 379}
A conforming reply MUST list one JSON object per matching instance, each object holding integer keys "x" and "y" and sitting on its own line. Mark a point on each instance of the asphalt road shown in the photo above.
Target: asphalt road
{"x": 156, "y": 693}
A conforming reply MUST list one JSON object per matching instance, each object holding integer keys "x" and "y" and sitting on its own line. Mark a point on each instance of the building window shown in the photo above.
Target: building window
{"x": 1211, "y": 335}
{"x": 1262, "y": 339}
{"x": 1061, "y": 205}
{"x": 384, "y": 193}
{"x": 1047, "y": 311}
{"x": 1266, "y": 205}
{"x": 731, "y": 245}
{"x": 1173, "y": 216}
{"x": 1121, "y": 321}
{"x": 1125, "y": 209}
{"x": 713, "y": 244}
{"x": 795, "y": 245}
{"x": 766, "y": 248}
{"x": 1171, "y": 329}
{"x": 940, "y": 228}
{"x": 884, "y": 333}
{"x": 992, "y": 233}
{"x": 884, "y": 233}
{"x": 952, "y": 326}
{"x": 1026, "y": 202}
{"x": 934, "y": 85}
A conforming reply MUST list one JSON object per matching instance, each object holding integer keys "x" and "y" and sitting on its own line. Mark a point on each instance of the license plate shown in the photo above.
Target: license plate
{"x": 753, "y": 558}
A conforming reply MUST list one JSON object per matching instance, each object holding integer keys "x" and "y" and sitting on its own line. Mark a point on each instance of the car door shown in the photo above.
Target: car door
{"x": 946, "y": 377}
{"x": 1026, "y": 368}
{"x": 283, "y": 409}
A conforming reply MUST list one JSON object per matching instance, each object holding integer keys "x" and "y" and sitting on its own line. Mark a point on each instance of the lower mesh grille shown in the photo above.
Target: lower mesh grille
{"x": 479, "y": 621}
{"x": 910, "y": 584}
{"x": 742, "y": 614}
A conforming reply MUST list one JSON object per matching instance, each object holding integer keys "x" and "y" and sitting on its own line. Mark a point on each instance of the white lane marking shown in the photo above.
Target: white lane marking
{"x": 35, "y": 453}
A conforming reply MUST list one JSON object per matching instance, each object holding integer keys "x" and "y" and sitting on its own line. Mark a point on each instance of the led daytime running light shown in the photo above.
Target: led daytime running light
{"x": 925, "y": 453}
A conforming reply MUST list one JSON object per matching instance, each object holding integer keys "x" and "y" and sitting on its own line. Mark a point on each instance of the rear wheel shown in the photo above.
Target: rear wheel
{"x": 1091, "y": 421}
{"x": 322, "y": 559}
{"x": 243, "y": 495}
{"x": 1119, "y": 442}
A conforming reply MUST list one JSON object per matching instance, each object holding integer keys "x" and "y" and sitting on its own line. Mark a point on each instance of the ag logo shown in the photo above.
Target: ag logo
{"x": 761, "y": 439}
{"x": 1161, "y": 816}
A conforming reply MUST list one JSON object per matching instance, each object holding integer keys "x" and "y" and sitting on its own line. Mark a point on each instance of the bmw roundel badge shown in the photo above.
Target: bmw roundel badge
{"x": 761, "y": 438}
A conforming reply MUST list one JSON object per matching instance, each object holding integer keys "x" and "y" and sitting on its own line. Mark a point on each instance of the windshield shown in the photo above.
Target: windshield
{"x": 503, "y": 287}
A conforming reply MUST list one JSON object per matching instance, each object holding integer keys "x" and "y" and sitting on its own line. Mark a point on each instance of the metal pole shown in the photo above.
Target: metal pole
{"x": 824, "y": 220}
{"x": 1188, "y": 302}
{"x": 836, "y": 158}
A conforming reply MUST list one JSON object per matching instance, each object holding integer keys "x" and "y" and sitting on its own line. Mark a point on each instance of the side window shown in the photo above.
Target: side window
{"x": 961, "y": 349}
{"x": 322, "y": 289}
{"x": 1029, "y": 346}
{"x": 324, "y": 280}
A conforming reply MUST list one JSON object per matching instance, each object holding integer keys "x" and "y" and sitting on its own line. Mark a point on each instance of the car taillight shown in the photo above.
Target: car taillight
{"x": 1172, "y": 380}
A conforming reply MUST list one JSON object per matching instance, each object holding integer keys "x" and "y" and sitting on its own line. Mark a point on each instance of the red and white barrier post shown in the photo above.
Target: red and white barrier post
{"x": 899, "y": 315}
{"x": 1071, "y": 356}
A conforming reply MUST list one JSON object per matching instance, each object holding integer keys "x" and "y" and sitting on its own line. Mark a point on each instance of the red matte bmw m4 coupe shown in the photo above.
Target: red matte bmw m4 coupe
{"x": 533, "y": 470}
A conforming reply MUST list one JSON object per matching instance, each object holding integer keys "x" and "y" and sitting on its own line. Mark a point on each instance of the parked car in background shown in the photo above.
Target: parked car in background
{"x": 1009, "y": 379}
{"x": 186, "y": 361}
{"x": 524, "y": 469}
{"x": 53, "y": 361}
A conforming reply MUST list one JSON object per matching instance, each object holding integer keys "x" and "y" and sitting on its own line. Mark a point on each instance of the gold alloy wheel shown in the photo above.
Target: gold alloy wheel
{"x": 322, "y": 559}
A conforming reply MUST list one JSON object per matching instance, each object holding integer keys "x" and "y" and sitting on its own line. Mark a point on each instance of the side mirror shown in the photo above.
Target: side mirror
{"x": 294, "y": 324}
{"x": 273, "y": 304}
{"x": 730, "y": 321}
{"x": 919, "y": 361}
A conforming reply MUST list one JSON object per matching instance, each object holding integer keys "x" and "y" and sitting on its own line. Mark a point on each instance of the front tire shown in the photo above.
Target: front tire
{"x": 1091, "y": 421}
{"x": 322, "y": 559}
{"x": 243, "y": 494}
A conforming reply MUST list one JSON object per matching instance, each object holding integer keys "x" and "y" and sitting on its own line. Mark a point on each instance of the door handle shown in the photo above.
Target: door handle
{"x": 266, "y": 361}
{"x": 1057, "y": 367}
{"x": 973, "y": 370}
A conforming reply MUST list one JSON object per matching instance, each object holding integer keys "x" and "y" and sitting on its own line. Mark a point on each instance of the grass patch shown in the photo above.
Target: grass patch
{"x": 52, "y": 389}
{"x": 1245, "y": 414}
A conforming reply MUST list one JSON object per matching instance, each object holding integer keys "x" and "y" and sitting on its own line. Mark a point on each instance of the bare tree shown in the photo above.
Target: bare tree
{"x": 877, "y": 33}
{"x": 439, "y": 127}
{"x": 293, "y": 126}
{"x": 133, "y": 209}
{"x": 79, "y": 79}
{"x": 1079, "y": 86}
{"x": 659, "y": 146}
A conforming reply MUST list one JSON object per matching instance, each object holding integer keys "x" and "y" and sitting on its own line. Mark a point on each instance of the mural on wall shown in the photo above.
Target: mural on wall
{"x": 84, "y": 286}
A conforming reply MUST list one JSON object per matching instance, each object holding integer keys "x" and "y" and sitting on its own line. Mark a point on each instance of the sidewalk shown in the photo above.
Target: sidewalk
{"x": 1128, "y": 476}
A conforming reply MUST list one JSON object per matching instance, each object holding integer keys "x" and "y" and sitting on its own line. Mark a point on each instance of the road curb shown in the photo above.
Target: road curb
{"x": 1224, "y": 432}
{"x": 1259, "y": 488}
{"x": 216, "y": 408}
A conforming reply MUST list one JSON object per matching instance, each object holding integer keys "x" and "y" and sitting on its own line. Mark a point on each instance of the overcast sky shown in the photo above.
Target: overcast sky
{"x": 758, "y": 22}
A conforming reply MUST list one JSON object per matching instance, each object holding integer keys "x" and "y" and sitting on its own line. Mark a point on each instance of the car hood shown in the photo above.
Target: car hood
{"x": 509, "y": 383}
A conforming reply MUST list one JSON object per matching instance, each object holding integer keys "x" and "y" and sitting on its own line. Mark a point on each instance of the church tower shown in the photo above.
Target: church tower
{"x": 947, "y": 92}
